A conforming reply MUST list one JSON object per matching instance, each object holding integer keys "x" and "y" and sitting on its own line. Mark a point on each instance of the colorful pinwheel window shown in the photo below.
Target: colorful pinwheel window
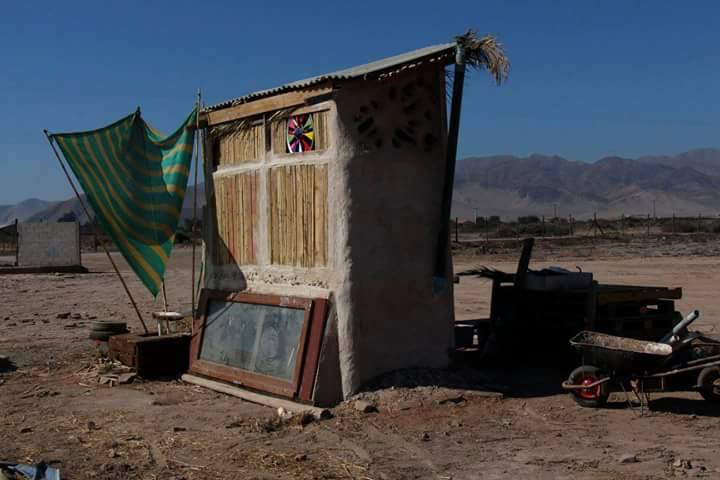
{"x": 300, "y": 134}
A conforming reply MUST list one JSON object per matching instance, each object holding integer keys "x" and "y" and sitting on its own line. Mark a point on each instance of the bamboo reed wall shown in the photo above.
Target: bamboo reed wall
{"x": 243, "y": 146}
{"x": 320, "y": 125}
{"x": 298, "y": 220}
{"x": 236, "y": 201}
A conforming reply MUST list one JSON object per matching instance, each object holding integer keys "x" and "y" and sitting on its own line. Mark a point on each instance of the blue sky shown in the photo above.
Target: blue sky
{"x": 588, "y": 78}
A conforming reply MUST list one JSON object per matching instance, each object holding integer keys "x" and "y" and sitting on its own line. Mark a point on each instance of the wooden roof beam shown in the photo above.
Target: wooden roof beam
{"x": 263, "y": 105}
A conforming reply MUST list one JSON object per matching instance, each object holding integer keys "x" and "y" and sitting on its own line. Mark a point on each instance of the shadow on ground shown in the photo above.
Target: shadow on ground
{"x": 511, "y": 381}
{"x": 686, "y": 406}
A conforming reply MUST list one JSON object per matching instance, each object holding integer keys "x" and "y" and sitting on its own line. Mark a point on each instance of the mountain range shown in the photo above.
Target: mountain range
{"x": 34, "y": 210}
{"x": 508, "y": 186}
{"x": 686, "y": 184}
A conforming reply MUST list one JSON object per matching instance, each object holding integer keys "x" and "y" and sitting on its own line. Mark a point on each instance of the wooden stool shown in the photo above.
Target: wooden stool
{"x": 166, "y": 318}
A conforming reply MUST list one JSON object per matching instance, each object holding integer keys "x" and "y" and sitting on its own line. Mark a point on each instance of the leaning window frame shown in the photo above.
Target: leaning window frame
{"x": 307, "y": 357}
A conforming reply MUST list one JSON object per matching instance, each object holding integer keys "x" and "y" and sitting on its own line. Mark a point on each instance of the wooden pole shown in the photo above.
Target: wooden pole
{"x": 195, "y": 199}
{"x": 164, "y": 294}
{"x": 450, "y": 160}
{"x": 97, "y": 237}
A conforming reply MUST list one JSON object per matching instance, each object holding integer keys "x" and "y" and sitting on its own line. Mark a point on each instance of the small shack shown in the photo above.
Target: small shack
{"x": 326, "y": 254}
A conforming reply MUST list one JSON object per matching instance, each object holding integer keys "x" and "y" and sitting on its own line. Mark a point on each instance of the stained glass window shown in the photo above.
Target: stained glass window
{"x": 300, "y": 133}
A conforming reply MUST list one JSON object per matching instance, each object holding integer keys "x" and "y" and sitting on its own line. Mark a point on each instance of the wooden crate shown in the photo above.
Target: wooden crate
{"x": 152, "y": 356}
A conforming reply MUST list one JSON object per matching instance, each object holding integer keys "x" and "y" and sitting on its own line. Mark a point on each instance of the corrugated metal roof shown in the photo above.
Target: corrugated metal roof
{"x": 398, "y": 62}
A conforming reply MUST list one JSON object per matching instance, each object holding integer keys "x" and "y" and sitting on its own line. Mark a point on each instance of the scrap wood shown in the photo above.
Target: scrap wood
{"x": 485, "y": 272}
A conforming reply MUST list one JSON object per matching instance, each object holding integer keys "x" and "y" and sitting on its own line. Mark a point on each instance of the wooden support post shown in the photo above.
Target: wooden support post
{"x": 195, "y": 201}
{"x": 87, "y": 213}
{"x": 441, "y": 259}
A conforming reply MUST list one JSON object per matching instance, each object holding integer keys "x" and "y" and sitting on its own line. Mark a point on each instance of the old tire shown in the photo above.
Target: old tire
{"x": 592, "y": 397}
{"x": 104, "y": 326}
{"x": 709, "y": 381}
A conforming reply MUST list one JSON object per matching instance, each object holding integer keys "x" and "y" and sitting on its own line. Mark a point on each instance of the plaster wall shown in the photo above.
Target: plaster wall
{"x": 390, "y": 313}
{"x": 49, "y": 244}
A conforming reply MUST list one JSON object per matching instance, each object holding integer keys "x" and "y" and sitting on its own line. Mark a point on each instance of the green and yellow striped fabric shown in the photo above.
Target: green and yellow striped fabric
{"x": 135, "y": 181}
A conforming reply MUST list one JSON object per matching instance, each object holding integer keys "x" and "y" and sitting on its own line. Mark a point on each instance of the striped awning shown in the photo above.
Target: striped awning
{"x": 135, "y": 180}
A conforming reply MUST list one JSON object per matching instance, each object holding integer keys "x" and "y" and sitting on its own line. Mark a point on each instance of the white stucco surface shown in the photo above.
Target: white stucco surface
{"x": 49, "y": 244}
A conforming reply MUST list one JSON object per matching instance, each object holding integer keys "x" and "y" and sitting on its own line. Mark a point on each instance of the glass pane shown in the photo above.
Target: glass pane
{"x": 262, "y": 339}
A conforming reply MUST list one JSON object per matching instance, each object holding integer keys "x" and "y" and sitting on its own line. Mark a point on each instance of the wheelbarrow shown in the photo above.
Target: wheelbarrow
{"x": 680, "y": 361}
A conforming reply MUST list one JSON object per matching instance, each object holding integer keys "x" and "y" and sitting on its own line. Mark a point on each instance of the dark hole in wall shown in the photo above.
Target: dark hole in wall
{"x": 365, "y": 126}
{"x": 410, "y": 108}
{"x": 429, "y": 141}
{"x": 401, "y": 134}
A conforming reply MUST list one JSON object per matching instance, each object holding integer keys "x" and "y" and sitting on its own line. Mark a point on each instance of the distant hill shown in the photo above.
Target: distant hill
{"x": 22, "y": 210}
{"x": 509, "y": 186}
{"x": 41, "y": 211}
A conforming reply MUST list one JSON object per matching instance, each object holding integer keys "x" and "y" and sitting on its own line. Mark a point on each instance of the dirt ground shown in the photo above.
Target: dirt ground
{"x": 170, "y": 430}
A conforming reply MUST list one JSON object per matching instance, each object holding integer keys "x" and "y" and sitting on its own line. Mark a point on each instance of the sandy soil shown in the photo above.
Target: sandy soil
{"x": 172, "y": 430}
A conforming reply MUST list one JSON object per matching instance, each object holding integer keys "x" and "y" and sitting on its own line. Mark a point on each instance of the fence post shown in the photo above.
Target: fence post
{"x": 17, "y": 242}
{"x": 594, "y": 224}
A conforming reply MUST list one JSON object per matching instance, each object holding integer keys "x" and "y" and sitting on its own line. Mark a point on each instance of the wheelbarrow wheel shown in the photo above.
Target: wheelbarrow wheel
{"x": 709, "y": 381}
{"x": 588, "y": 397}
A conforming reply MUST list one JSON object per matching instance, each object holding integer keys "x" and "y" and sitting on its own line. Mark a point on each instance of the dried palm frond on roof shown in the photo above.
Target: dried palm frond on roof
{"x": 485, "y": 52}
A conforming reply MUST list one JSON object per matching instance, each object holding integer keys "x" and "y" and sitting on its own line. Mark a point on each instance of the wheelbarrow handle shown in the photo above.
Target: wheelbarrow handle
{"x": 694, "y": 315}
{"x": 571, "y": 386}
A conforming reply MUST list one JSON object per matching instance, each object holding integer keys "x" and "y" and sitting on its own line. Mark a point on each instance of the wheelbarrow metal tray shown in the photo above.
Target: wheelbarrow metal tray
{"x": 620, "y": 354}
